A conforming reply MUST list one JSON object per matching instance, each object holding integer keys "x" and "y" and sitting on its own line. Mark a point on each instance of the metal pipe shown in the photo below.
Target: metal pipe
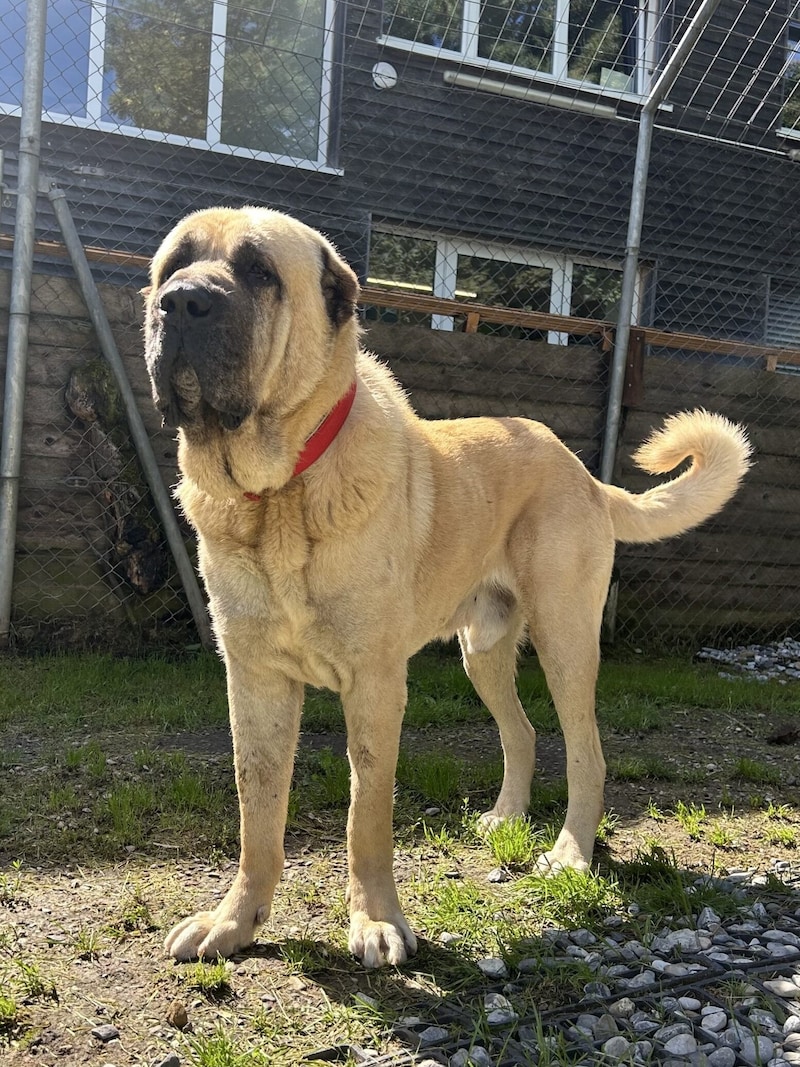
{"x": 20, "y": 301}
{"x": 139, "y": 434}
{"x": 522, "y": 92}
{"x": 663, "y": 84}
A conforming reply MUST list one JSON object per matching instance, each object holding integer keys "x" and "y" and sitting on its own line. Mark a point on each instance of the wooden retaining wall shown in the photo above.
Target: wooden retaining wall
{"x": 739, "y": 573}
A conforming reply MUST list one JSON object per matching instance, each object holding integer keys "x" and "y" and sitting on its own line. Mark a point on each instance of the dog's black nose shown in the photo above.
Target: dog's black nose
{"x": 184, "y": 300}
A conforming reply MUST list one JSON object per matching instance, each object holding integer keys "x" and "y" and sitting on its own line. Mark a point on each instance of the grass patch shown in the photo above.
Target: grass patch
{"x": 221, "y": 1050}
{"x": 212, "y": 980}
{"x": 640, "y": 768}
{"x": 751, "y": 770}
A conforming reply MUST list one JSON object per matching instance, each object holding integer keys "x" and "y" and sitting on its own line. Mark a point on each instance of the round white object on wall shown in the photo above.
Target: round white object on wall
{"x": 384, "y": 76}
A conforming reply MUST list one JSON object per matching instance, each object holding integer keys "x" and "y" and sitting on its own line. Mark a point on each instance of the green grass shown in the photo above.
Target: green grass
{"x": 212, "y": 980}
{"x": 11, "y": 1018}
{"x": 221, "y": 1050}
{"x": 750, "y": 770}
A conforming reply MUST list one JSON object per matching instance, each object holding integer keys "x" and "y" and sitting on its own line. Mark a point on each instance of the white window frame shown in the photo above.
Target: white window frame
{"x": 467, "y": 54}
{"x": 445, "y": 272}
{"x": 212, "y": 142}
{"x": 792, "y": 132}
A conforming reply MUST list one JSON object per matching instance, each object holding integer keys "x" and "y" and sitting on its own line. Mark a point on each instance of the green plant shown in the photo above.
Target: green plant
{"x": 513, "y": 842}
{"x": 750, "y": 770}
{"x": 785, "y": 836}
{"x": 720, "y": 836}
{"x": 690, "y": 817}
{"x": 220, "y": 1050}
{"x": 87, "y": 943}
{"x": 32, "y": 983}
{"x": 10, "y": 1017}
{"x": 210, "y": 979}
{"x": 436, "y": 777}
{"x": 637, "y": 768}
{"x": 11, "y": 884}
{"x": 331, "y": 780}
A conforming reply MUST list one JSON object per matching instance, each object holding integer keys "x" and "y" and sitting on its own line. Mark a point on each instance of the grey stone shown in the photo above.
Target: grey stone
{"x": 493, "y": 967}
{"x": 785, "y": 937}
{"x": 722, "y": 1057}
{"x": 666, "y": 1033}
{"x": 715, "y": 1022}
{"x": 477, "y": 1056}
{"x": 642, "y": 1050}
{"x": 606, "y": 1027}
{"x": 681, "y": 1045}
{"x": 644, "y": 978}
{"x": 764, "y": 1020}
{"x": 582, "y": 938}
{"x": 498, "y": 874}
{"x": 433, "y": 1035}
{"x": 792, "y": 1024}
{"x": 623, "y": 1009}
{"x": 708, "y": 919}
{"x": 616, "y": 1047}
{"x": 596, "y": 989}
{"x": 756, "y": 1050}
{"x": 171, "y": 1060}
{"x": 501, "y": 1017}
{"x": 105, "y": 1032}
{"x": 689, "y": 1003}
{"x": 681, "y": 941}
{"x": 643, "y": 1023}
{"x": 791, "y": 1042}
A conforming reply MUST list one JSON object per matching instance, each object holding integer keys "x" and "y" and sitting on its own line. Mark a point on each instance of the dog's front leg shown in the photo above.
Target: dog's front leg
{"x": 265, "y": 721}
{"x": 373, "y": 710}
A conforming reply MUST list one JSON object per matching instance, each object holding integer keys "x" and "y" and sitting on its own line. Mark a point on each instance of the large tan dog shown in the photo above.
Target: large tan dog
{"x": 399, "y": 531}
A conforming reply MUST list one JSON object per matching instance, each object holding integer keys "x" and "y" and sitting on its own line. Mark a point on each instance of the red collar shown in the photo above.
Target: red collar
{"x": 323, "y": 437}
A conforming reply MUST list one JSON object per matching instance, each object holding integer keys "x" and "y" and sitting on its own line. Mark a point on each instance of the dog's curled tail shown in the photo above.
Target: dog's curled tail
{"x": 720, "y": 454}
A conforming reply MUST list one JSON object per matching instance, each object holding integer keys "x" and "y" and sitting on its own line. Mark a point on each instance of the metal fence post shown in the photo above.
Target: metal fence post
{"x": 19, "y": 309}
{"x": 141, "y": 440}
{"x": 635, "y": 219}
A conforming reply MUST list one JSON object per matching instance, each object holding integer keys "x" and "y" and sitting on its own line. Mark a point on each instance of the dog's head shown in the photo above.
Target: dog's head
{"x": 245, "y": 311}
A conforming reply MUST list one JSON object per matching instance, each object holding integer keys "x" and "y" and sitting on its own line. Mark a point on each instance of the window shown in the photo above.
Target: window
{"x": 790, "y": 116}
{"x": 228, "y": 75}
{"x": 603, "y": 43}
{"x": 490, "y": 274}
{"x": 783, "y": 319}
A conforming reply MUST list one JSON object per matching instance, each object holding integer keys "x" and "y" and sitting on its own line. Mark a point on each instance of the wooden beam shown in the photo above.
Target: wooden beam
{"x": 475, "y": 312}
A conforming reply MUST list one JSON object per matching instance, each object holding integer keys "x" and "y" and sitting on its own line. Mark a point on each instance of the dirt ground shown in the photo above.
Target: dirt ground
{"x": 93, "y": 933}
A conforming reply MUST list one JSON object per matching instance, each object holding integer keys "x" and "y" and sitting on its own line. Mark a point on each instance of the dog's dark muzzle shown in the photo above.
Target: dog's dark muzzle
{"x": 189, "y": 358}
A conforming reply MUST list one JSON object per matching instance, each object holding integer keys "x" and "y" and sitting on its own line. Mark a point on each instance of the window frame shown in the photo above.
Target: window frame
{"x": 445, "y": 270}
{"x": 95, "y": 98}
{"x": 647, "y": 19}
{"x": 792, "y": 28}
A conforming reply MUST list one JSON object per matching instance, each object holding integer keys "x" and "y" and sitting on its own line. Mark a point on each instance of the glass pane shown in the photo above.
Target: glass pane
{"x": 791, "y": 109}
{"x": 157, "y": 65}
{"x": 518, "y": 33}
{"x": 504, "y": 284}
{"x": 436, "y": 22}
{"x": 66, "y": 54}
{"x": 595, "y": 292}
{"x": 404, "y": 263}
{"x": 273, "y": 76}
{"x": 602, "y": 42}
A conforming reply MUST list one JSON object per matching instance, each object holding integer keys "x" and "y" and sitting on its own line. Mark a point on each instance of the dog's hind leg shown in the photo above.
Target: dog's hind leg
{"x": 373, "y": 710}
{"x": 493, "y": 674}
{"x": 564, "y": 628}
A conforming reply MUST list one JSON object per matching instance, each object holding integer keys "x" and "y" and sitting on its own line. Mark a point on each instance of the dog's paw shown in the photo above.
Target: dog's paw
{"x": 204, "y": 936}
{"x": 490, "y": 820}
{"x": 557, "y": 860}
{"x": 379, "y": 943}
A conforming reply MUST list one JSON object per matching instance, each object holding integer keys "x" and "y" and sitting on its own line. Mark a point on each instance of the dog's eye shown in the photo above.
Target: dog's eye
{"x": 258, "y": 272}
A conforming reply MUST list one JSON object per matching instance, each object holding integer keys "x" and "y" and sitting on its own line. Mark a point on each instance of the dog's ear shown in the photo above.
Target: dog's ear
{"x": 339, "y": 287}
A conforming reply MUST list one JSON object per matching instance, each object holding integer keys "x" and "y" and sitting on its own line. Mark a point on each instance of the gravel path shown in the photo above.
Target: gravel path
{"x": 725, "y": 993}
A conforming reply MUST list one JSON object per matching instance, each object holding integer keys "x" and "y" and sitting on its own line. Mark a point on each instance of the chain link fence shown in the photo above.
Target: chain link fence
{"x": 476, "y": 163}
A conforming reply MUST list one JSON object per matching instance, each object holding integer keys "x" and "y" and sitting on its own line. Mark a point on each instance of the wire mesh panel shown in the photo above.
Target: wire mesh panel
{"x": 475, "y": 163}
